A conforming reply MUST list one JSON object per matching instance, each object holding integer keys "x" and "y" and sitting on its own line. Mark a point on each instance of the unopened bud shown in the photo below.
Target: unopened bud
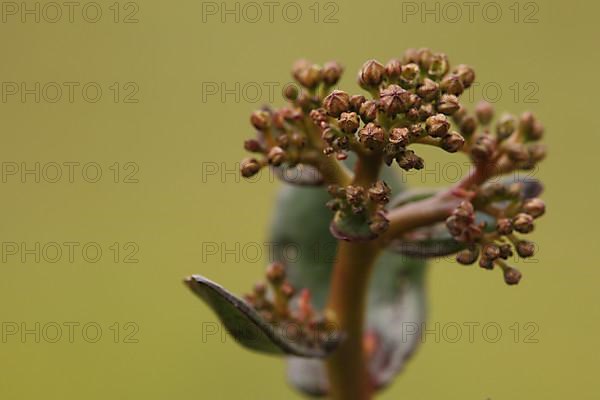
{"x": 467, "y": 256}
{"x": 260, "y": 120}
{"x": 409, "y": 160}
{"x": 393, "y": 69}
{"x": 468, "y": 125}
{"x": 504, "y": 226}
{"x": 332, "y": 72}
{"x": 517, "y": 152}
{"x": 276, "y": 156}
{"x": 486, "y": 263}
{"x": 512, "y": 276}
{"x": 372, "y": 135}
{"x": 371, "y": 74}
{"x": 525, "y": 248}
{"x": 275, "y": 273}
{"x": 355, "y": 195}
{"x": 356, "y": 101}
{"x": 452, "y": 142}
{"x": 252, "y": 145}
{"x": 399, "y": 136}
{"x": 534, "y": 207}
{"x": 484, "y": 112}
{"x": 249, "y": 167}
{"x": 506, "y": 126}
{"x": 491, "y": 251}
{"x": 448, "y": 104}
{"x": 394, "y": 99}
{"x": 409, "y": 76}
{"x": 336, "y": 103}
{"x": 429, "y": 90}
{"x": 438, "y": 65}
{"x": 523, "y": 223}
{"x": 348, "y": 122}
{"x": 380, "y": 192}
{"x": 368, "y": 111}
{"x": 308, "y": 75}
{"x": 452, "y": 84}
{"x": 291, "y": 92}
{"x": 437, "y": 125}
{"x": 466, "y": 74}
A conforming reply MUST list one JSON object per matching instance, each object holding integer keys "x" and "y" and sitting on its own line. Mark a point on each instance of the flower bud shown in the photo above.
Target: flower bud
{"x": 452, "y": 142}
{"x": 484, "y": 112}
{"x": 512, "y": 276}
{"x": 409, "y": 160}
{"x": 287, "y": 290}
{"x": 356, "y": 101}
{"x": 410, "y": 75}
{"x": 504, "y": 226}
{"x": 537, "y": 151}
{"x": 394, "y": 99}
{"x": 438, "y": 65}
{"x": 332, "y": 72}
{"x": 410, "y": 56}
{"x": 486, "y": 263}
{"x": 483, "y": 148}
{"x": 506, "y": 126}
{"x": 393, "y": 69}
{"x": 467, "y": 256}
{"x": 371, "y": 75}
{"x": 336, "y": 103}
{"x": 429, "y": 90}
{"x": 380, "y": 193}
{"x": 249, "y": 167}
{"x": 424, "y": 57}
{"x": 372, "y": 135}
{"x": 355, "y": 195}
{"x": 379, "y": 224}
{"x": 291, "y": 92}
{"x": 437, "y": 125}
{"x": 448, "y": 104}
{"x": 505, "y": 251}
{"x": 259, "y": 289}
{"x": 275, "y": 273}
{"x": 537, "y": 132}
{"x": 348, "y": 122}
{"x": 298, "y": 140}
{"x": 534, "y": 207}
{"x": 276, "y": 156}
{"x": 491, "y": 251}
{"x": 452, "y": 84}
{"x": 399, "y": 136}
{"x": 466, "y": 75}
{"x": 523, "y": 223}
{"x": 468, "y": 125}
{"x": 252, "y": 145}
{"x": 368, "y": 111}
{"x": 260, "y": 120}
{"x": 525, "y": 248}
{"x": 517, "y": 152}
{"x": 308, "y": 75}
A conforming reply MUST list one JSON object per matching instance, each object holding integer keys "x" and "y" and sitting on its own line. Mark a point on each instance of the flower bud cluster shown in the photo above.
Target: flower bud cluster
{"x": 278, "y": 303}
{"x": 511, "y": 143}
{"x": 355, "y": 200}
{"x": 493, "y": 245}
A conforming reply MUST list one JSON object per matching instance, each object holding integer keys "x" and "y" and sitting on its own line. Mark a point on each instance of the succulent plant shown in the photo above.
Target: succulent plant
{"x": 340, "y": 313}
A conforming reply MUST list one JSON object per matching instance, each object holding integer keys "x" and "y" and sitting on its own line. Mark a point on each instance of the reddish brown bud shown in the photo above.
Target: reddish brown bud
{"x": 332, "y": 72}
{"x": 260, "y": 120}
{"x": 448, "y": 104}
{"x": 393, "y": 69}
{"x": 380, "y": 192}
{"x": 466, "y": 75}
{"x": 355, "y": 195}
{"x": 523, "y": 223}
{"x": 276, "y": 156}
{"x": 534, "y": 207}
{"x": 429, "y": 90}
{"x": 252, "y": 145}
{"x": 438, "y": 65}
{"x": 371, "y": 74}
{"x": 452, "y": 84}
{"x": 400, "y": 136}
{"x": 452, "y": 142}
{"x": 486, "y": 263}
{"x": 249, "y": 167}
{"x": 437, "y": 125}
{"x": 506, "y": 126}
{"x": 468, "y": 125}
{"x": 467, "y": 256}
{"x": 410, "y": 75}
{"x": 368, "y": 111}
{"x": 512, "y": 276}
{"x": 491, "y": 251}
{"x": 394, "y": 99}
{"x": 287, "y": 290}
{"x": 348, "y": 122}
{"x": 504, "y": 226}
{"x": 307, "y": 74}
{"x": 275, "y": 273}
{"x": 336, "y": 103}
{"x": 372, "y": 135}
{"x": 356, "y": 101}
{"x": 409, "y": 160}
{"x": 291, "y": 92}
{"x": 484, "y": 112}
{"x": 525, "y": 248}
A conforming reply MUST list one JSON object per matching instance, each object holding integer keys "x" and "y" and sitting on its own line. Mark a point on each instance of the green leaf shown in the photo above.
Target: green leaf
{"x": 248, "y": 327}
{"x": 396, "y": 296}
{"x": 351, "y": 227}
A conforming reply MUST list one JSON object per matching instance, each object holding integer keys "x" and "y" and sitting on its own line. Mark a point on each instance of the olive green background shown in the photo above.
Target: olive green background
{"x": 186, "y": 148}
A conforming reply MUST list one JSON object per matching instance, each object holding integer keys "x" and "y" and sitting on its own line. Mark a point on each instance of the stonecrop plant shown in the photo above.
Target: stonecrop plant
{"x": 341, "y": 314}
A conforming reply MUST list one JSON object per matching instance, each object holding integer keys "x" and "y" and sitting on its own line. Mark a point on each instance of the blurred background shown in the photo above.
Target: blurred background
{"x": 122, "y": 128}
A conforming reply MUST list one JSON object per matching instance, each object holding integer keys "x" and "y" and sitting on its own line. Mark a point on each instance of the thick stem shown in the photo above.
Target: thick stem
{"x": 347, "y": 366}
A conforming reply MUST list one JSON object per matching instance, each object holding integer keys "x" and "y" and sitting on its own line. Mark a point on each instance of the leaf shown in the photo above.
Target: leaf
{"x": 429, "y": 242}
{"x": 396, "y": 294}
{"x": 412, "y": 195}
{"x": 248, "y": 327}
